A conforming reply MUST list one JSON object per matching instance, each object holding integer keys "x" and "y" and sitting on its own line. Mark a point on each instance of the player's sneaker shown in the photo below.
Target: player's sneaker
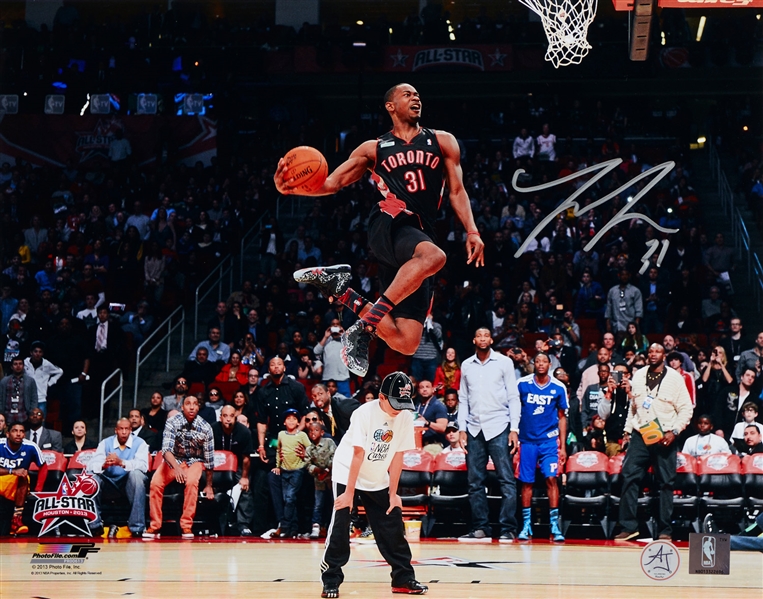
{"x": 355, "y": 348}
{"x": 17, "y": 526}
{"x": 527, "y": 532}
{"x": 556, "y": 532}
{"x": 331, "y": 281}
{"x": 412, "y": 587}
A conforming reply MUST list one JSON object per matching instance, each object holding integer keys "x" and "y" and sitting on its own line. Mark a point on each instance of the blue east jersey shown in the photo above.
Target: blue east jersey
{"x": 540, "y": 408}
{"x": 27, "y": 454}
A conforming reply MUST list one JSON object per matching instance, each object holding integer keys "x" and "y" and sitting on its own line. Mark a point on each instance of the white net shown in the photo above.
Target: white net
{"x": 566, "y": 24}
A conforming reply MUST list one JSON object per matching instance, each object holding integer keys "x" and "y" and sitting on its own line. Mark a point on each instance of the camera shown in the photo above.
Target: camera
{"x": 516, "y": 351}
{"x": 117, "y": 308}
{"x": 554, "y": 344}
{"x": 335, "y": 330}
{"x": 617, "y": 376}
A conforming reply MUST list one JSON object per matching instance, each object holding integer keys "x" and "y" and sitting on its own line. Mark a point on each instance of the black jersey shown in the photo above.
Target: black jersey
{"x": 410, "y": 176}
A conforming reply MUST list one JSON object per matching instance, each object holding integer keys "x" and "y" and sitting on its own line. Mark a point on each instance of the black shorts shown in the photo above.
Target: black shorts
{"x": 393, "y": 241}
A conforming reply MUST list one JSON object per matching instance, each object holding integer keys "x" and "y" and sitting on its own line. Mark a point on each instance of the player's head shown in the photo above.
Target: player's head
{"x": 16, "y": 433}
{"x": 403, "y": 103}
{"x": 542, "y": 363}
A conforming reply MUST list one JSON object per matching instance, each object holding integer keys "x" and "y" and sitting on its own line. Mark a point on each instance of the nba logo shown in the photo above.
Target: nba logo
{"x": 193, "y": 103}
{"x": 100, "y": 104}
{"x": 708, "y": 552}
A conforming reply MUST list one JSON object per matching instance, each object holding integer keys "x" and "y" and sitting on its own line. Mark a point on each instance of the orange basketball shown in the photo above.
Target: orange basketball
{"x": 308, "y": 167}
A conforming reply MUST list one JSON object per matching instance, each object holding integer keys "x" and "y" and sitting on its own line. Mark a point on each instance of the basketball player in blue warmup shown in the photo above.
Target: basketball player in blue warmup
{"x": 16, "y": 455}
{"x": 543, "y": 423}
{"x": 410, "y": 167}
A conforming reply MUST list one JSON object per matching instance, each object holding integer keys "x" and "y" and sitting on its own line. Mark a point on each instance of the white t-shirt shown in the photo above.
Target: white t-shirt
{"x": 546, "y": 146}
{"x": 700, "y": 445}
{"x": 381, "y": 436}
{"x": 738, "y": 432}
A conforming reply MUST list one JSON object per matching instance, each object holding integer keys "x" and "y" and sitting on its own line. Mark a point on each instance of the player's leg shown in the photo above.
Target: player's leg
{"x": 15, "y": 488}
{"x": 549, "y": 467}
{"x": 528, "y": 459}
{"x": 337, "y": 551}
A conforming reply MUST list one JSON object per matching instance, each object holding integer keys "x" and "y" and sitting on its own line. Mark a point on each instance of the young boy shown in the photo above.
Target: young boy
{"x": 368, "y": 462}
{"x": 705, "y": 443}
{"x": 451, "y": 434}
{"x": 16, "y": 454}
{"x": 749, "y": 415}
{"x": 286, "y": 478}
{"x": 542, "y": 424}
{"x": 319, "y": 455}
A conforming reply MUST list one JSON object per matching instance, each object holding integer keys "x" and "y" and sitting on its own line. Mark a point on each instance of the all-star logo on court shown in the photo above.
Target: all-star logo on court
{"x": 72, "y": 503}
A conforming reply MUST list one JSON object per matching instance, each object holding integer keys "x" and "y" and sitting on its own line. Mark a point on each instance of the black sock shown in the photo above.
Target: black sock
{"x": 379, "y": 310}
{"x": 353, "y": 300}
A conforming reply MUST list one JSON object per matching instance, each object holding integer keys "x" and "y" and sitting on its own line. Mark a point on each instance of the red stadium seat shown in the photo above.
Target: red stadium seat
{"x": 586, "y": 492}
{"x": 450, "y": 484}
{"x": 78, "y": 462}
{"x": 752, "y": 470}
{"x": 721, "y": 486}
{"x": 686, "y": 490}
{"x": 56, "y": 462}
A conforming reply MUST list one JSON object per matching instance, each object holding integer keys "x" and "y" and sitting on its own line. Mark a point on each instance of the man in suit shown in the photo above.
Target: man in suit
{"x": 656, "y": 295}
{"x": 137, "y": 424}
{"x": 336, "y": 411}
{"x": 105, "y": 342}
{"x": 18, "y": 393}
{"x": 44, "y": 437}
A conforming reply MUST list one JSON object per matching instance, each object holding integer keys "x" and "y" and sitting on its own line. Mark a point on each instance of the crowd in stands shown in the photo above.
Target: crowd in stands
{"x": 90, "y": 258}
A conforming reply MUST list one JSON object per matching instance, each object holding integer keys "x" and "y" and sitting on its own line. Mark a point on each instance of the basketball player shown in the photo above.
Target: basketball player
{"x": 16, "y": 455}
{"x": 410, "y": 166}
{"x": 368, "y": 462}
{"x": 543, "y": 423}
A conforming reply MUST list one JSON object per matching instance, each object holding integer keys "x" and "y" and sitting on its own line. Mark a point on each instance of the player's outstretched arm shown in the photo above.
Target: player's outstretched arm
{"x": 459, "y": 199}
{"x": 347, "y": 173}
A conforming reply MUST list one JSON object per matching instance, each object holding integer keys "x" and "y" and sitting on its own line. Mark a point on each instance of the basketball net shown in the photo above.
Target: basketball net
{"x": 566, "y": 24}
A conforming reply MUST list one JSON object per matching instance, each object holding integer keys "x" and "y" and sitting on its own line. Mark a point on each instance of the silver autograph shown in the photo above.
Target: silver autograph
{"x": 660, "y": 171}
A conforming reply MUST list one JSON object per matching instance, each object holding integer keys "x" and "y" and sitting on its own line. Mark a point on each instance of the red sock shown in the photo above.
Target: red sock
{"x": 378, "y": 311}
{"x": 353, "y": 300}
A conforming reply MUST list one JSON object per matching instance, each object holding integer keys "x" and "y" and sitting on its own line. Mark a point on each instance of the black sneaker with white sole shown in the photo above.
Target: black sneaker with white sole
{"x": 412, "y": 587}
{"x": 330, "y": 591}
{"x": 331, "y": 281}
{"x": 355, "y": 347}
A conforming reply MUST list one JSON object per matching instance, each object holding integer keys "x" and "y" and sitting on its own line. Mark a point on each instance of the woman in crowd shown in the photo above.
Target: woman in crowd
{"x": 634, "y": 340}
{"x": 448, "y": 374}
{"x": 234, "y": 370}
{"x": 715, "y": 377}
{"x": 154, "y": 415}
{"x": 80, "y": 442}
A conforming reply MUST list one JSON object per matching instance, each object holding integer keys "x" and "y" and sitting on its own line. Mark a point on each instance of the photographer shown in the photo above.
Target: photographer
{"x": 522, "y": 364}
{"x": 329, "y": 350}
{"x": 565, "y": 354}
{"x": 613, "y": 408}
{"x": 570, "y": 331}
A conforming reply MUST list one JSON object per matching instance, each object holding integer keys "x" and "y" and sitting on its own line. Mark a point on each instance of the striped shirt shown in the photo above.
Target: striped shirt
{"x": 189, "y": 442}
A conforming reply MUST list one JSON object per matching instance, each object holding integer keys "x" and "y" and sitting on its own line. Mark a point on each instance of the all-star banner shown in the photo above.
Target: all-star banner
{"x": 55, "y": 140}
{"x": 449, "y": 58}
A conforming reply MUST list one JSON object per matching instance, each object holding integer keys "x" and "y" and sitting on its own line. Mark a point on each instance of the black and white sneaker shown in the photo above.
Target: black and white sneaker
{"x": 330, "y": 591}
{"x": 331, "y": 281}
{"x": 708, "y": 525}
{"x": 355, "y": 342}
{"x": 412, "y": 587}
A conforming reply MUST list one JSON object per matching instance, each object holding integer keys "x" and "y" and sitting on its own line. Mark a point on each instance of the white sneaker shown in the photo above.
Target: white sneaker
{"x": 315, "y": 533}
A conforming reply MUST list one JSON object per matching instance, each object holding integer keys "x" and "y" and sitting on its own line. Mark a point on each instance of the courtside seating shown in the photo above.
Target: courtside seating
{"x": 78, "y": 462}
{"x": 644, "y": 499}
{"x": 450, "y": 484}
{"x": 686, "y": 491}
{"x": 721, "y": 486}
{"x": 415, "y": 482}
{"x": 752, "y": 470}
{"x": 56, "y": 462}
{"x": 223, "y": 480}
{"x": 586, "y": 492}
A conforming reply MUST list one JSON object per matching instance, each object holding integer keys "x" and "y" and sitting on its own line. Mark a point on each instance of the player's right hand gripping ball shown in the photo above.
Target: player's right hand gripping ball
{"x": 308, "y": 167}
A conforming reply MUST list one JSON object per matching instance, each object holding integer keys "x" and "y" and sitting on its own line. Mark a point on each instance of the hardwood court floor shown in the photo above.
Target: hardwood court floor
{"x": 289, "y": 570}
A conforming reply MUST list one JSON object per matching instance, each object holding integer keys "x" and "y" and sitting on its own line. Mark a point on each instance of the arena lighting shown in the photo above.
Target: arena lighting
{"x": 701, "y": 140}
{"x": 701, "y": 28}
{"x": 670, "y": 211}
{"x": 630, "y": 198}
{"x": 84, "y": 108}
{"x": 743, "y": 128}
{"x": 662, "y": 38}
{"x": 390, "y": 30}
{"x": 25, "y": 94}
{"x": 358, "y": 22}
{"x": 359, "y": 44}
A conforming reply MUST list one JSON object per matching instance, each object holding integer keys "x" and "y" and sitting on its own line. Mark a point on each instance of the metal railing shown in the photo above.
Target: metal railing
{"x": 107, "y": 398}
{"x": 739, "y": 232}
{"x": 247, "y": 240}
{"x": 216, "y": 277}
{"x": 166, "y": 329}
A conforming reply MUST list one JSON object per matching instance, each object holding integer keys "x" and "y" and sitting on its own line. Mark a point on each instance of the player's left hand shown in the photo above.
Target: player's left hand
{"x": 394, "y": 501}
{"x": 475, "y": 250}
{"x": 513, "y": 442}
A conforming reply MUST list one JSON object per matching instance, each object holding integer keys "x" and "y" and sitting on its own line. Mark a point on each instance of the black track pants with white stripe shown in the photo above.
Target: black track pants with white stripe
{"x": 389, "y": 533}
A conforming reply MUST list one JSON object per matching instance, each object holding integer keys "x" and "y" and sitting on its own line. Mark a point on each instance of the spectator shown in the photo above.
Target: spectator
{"x": 337, "y": 411}
{"x": 119, "y": 148}
{"x": 674, "y": 360}
{"x": 593, "y": 396}
{"x": 35, "y": 236}
{"x": 614, "y": 410}
{"x": 488, "y": 423}
{"x": 329, "y": 351}
{"x": 44, "y": 373}
{"x": 44, "y": 438}
{"x": 18, "y": 393}
{"x": 453, "y": 438}
{"x": 719, "y": 260}
{"x": 8, "y": 305}
{"x": 69, "y": 351}
{"x": 624, "y": 305}
{"x": 424, "y": 359}
{"x": 251, "y": 355}
{"x": 524, "y": 147}
{"x": 711, "y": 306}
{"x": 175, "y": 401}
{"x": 240, "y": 403}
{"x": 634, "y": 340}
{"x": 80, "y": 440}
{"x": 188, "y": 450}
{"x": 16, "y": 455}
{"x": 140, "y": 221}
{"x": 200, "y": 369}
{"x": 750, "y": 416}
{"x": 753, "y": 440}
{"x": 450, "y": 400}
{"x": 732, "y": 412}
{"x": 750, "y": 358}
{"x": 715, "y": 378}
{"x": 234, "y": 370}
{"x": 216, "y": 351}
{"x": 656, "y": 295}
{"x": 232, "y": 436}
{"x": 141, "y": 431}
{"x": 139, "y": 324}
{"x": 546, "y": 145}
{"x": 448, "y": 373}
{"x": 120, "y": 464}
{"x": 154, "y": 415}
{"x": 660, "y": 410}
{"x": 3, "y": 426}
{"x": 286, "y": 478}
{"x": 705, "y": 442}
{"x": 154, "y": 272}
{"x": 735, "y": 343}
{"x": 89, "y": 314}
{"x": 320, "y": 457}
{"x": 226, "y": 323}
{"x": 669, "y": 343}
{"x": 433, "y": 415}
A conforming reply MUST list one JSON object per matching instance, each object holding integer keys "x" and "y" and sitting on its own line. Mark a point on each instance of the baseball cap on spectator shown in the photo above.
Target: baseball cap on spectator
{"x": 290, "y": 412}
{"x": 398, "y": 389}
{"x": 452, "y": 426}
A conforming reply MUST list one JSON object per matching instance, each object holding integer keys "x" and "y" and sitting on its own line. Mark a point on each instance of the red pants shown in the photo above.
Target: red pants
{"x": 165, "y": 475}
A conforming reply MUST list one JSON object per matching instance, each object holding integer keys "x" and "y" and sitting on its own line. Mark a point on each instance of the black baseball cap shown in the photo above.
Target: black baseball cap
{"x": 452, "y": 426}
{"x": 398, "y": 388}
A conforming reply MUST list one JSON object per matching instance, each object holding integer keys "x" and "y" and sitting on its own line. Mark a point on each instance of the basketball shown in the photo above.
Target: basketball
{"x": 86, "y": 486}
{"x": 307, "y": 166}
